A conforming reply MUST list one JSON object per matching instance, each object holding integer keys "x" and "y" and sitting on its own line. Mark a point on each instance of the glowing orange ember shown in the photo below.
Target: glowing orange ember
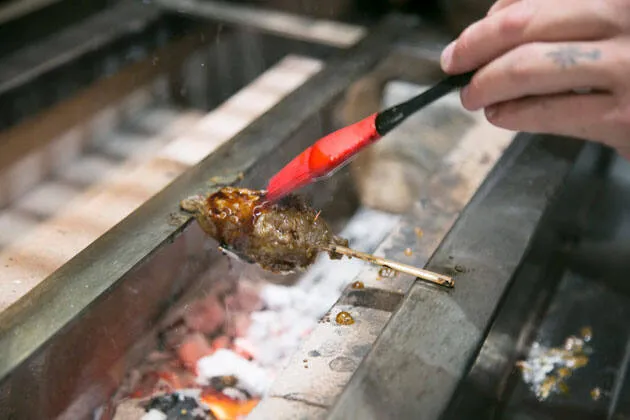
{"x": 226, "y": 408}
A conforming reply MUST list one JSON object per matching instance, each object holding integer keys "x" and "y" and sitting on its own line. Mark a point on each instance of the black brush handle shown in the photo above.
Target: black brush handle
{"x": 390, "y": 118}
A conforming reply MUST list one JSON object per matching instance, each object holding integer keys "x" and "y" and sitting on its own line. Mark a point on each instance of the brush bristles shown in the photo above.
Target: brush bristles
{"x": 295, "y": 175}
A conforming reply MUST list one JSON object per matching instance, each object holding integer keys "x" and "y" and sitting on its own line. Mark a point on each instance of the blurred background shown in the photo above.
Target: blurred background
{"x": 24, "y": 21}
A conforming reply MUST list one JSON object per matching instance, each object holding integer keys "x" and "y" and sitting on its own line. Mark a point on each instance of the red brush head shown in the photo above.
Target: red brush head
{"x": 294, "y": 176}
{"x": 326, "y": 155}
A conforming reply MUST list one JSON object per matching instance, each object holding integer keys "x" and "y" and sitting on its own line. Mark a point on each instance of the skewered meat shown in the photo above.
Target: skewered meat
{"x": 281, "y": 236}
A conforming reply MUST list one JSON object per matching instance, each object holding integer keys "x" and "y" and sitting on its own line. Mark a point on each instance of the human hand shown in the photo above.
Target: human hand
{"x": 534, "y": 55}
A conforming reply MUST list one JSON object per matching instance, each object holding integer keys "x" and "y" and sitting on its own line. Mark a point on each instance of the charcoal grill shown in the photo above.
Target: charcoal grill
{"x": 528, "y": 231}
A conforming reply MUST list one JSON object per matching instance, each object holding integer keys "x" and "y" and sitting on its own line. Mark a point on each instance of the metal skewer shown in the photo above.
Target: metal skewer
{"x": 439, "y": 279}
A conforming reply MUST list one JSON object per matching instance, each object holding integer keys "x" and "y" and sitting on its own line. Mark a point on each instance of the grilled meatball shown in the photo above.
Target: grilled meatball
{"x": 282, "y": 236}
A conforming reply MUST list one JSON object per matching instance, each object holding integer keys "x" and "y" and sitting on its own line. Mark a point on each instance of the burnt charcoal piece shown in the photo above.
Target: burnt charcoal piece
{"x": 219, "y": 383}
{"x": 281, "y": 236}
{"x": 179, "y": 407}
{"x": 162, "y": 403}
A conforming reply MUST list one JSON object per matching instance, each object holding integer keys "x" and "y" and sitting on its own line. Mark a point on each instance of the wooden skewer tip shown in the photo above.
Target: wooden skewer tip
{"x": 419, "y": 273}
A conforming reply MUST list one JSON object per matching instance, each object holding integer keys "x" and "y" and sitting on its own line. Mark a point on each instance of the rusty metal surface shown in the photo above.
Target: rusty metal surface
{"x": 420, "y": 357}
{"x": 54, "y": 328}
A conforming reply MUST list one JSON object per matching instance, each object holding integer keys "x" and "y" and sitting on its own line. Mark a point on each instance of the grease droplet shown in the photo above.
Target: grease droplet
{"x": 580, "y": 361}
{"x": 596, "y": 394}
{"x": 386, "y": 272}
{"x": 419, "y": 233}
{"x": 358, "y": 285}
{"x": 408, "y": 252}
{"x": 344, "y": 318}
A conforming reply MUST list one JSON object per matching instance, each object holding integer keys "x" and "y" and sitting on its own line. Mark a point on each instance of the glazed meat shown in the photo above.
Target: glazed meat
{"x": 281, "y": 237}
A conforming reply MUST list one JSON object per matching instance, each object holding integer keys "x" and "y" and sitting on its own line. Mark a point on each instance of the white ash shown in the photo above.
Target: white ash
{"x": 235, "y": 394}
{"x": 189, "y": 392}
{"x": 546, "y": 369}
{"x": 154, "y": 414}
{"x": 540, "y": 363}
{"x": 251, "y": 377}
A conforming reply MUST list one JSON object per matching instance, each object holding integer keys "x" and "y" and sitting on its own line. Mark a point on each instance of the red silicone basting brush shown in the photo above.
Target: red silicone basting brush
{"x": 333, "y": 151}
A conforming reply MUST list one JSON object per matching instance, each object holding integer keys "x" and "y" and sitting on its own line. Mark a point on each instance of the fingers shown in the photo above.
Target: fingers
{"x": 542, "y": 69}
{"x": 528, "y": 21}
{"x": 500, "y": 5}
{"x": 572, "y": 115}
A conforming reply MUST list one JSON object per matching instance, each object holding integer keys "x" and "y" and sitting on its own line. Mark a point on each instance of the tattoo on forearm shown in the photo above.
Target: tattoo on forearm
{"x": 569, "y": 56}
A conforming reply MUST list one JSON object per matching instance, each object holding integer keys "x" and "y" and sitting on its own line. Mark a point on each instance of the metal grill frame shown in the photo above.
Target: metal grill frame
{"x": 39, "y": 334}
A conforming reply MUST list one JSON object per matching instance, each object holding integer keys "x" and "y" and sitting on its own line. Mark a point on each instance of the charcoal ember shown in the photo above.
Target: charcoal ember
{"x": 178, "y": 407}
{"x": 153, "y": 383}
{"x": 246, "y": 299}
{"x": 171, "y": 337}
{"x": 236, "y": 394}
{"x": 244, "y": 348}
{"x": 145, "y": 386}
{"x": 133, "y": 380}
{"x": 221, "y": 342}
{"x": 221, "y": 287}
{"x": 281, "y": 237}
{"x": 194, "y": 347}
{"x": 148, "y": 379}
{"x": 205, "y": 315}
{"x": 156, "y": 357}
{"x": 173, "y": 376}
{"x": 162, "y": 403}
{"x": 107, "y": 411}
{"x": 219, "y": 383}
{"x": 251, "y": 377}
{"x": 226, "y": 407}
{"x": 244, "y": 353}
{"x": 238, "y": 324}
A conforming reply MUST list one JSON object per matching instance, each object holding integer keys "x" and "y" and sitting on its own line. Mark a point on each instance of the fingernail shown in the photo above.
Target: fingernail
{"x": 447, "y": 56}
{"x": 464, "y": 92}
{"x": 491, "y": 111}
{"x": 463, "y": 95}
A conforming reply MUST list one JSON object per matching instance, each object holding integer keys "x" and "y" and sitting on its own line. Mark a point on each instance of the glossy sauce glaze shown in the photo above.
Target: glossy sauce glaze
{"x": 280, "y": 236}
